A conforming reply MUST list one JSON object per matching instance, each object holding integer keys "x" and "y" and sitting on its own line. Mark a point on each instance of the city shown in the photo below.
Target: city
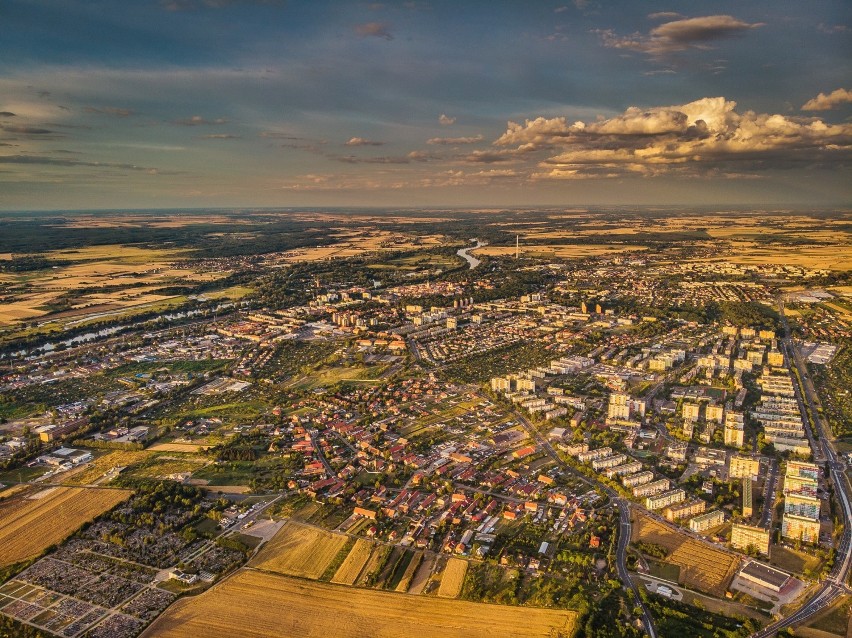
{"x": 522, "y": 429}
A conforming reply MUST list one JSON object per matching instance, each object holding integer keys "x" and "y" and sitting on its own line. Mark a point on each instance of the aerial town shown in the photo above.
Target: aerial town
{"x": 616, "y": 441}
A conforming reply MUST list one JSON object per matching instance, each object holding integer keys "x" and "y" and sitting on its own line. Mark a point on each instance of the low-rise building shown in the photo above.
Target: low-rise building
{"x": 664, "y": 499}
{"x": 706, "y": 521}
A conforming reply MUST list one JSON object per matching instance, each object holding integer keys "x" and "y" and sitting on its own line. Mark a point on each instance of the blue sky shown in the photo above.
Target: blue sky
{"x": 198, "y": 103}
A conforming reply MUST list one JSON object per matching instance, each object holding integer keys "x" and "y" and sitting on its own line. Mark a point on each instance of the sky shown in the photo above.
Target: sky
{"x": 242, "y": 103}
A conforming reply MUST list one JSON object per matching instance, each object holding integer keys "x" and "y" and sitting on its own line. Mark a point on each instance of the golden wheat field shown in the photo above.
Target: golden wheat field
{"x": 253, "y": 604}
{"x": 29, "y": 525}
{"x": 178, "y": 447}
{"x": 354, "y": 562}
{"x": 300, "y": 550}
{"x": 453, "y": 578}
{"x": 701, "y": 566}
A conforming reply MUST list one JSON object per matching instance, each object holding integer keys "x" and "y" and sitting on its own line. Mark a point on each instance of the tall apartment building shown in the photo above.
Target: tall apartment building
{"x": 623, "y": 406}
{"x": 734, "y": 429}
{"x": 745, "y": 536}
{"x": 799, "y": 528}
{"x": 748, "y": 499}
{"x": 740, "y": 466}
{"x": 800, "y": 504}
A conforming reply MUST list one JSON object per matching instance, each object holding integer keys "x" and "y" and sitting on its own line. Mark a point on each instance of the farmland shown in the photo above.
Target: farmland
{"x": 300, "y": 550}
{"x": 354, "y": 562}
{"x": 701, "y": 567}
{"x": 29, "y": 525}
{"x": 251, "y": 604}
{"x": 453, "y": 578}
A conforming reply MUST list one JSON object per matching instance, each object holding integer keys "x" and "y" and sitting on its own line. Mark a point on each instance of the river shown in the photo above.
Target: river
{"x": 464, "y": 252}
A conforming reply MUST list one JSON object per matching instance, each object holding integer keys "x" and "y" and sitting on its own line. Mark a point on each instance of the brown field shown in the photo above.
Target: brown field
{"x": 453, "y": 578}
{"x": 421, "y": 576}
{"x": 405, "y": 582}
{"x": 96, "y": 470}
{"x": 358, "y": 556}
{"x": 251, "y": 604}
{"x": 702, "y": 567}
{"x": 28, "y": 526}
{"x": 177, "y": 447}
{"x": 299, "y": 550}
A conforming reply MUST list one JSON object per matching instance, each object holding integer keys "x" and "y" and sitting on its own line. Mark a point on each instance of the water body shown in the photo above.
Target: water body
{"x": 473, "y": 261}
{"x": 113, "y": 330}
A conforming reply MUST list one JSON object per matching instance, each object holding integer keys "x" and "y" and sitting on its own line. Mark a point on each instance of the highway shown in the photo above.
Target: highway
{"x": 835, "y": 584}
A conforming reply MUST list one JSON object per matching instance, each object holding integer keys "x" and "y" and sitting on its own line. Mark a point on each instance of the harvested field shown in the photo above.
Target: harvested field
{"x": 251, "y": 604}
{"x": 300, "y": 550}
{"x": 702, "y": 567}
{"x": 453, "y": 578}
{"x": 358, "y": 556}
{"x": 28, "y": 526}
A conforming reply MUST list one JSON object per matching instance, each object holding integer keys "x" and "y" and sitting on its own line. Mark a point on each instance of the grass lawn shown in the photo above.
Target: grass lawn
{"x": 664, "y": 570}
{"x": 790, "y": 560}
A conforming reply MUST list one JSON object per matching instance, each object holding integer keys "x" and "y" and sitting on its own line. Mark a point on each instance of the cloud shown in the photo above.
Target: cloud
{"x": 26, "y": 130}
{"x": 109, "y": 110}
{"x": 453, "y": 141}
{"x": 360, "y": 141}
{"x": 664, "y": 15}
{"x": 679, "y": 35}
{"x": 56, "y": 161}
{"x": 561, "y": 9}
{"x": 6, "y": 114}
{"x": 823, "y": 102}
{"x": 696, "y": 138}
{"x": 833, "y": 28}
{"x": 488, "y": 157}
{"x": 220, "y": 136}
{"x": 446, "y": 120}
{"x": 374, "y": 30}
{"x": 197, "y": 120}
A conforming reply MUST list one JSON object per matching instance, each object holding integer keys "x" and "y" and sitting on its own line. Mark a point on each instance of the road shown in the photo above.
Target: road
{"x": 835, "y": 584}
{"x": 321, "y": 455}
{"x": 624, "y": 515}
{"x": 769, "y": 494}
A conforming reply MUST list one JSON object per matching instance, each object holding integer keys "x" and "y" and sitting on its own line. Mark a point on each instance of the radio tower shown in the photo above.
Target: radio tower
{"x": 517, "y": 246}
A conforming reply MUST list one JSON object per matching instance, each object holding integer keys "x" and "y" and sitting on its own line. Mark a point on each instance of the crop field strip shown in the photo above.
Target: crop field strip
{"x": 358, "y": 556}
{"x": 300, "y": 550}
{"x": 453, "y": 578}
{"x": 28, "y": 526}
{"x": 252, "y": 604}
{"x": 410, "y": 570}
